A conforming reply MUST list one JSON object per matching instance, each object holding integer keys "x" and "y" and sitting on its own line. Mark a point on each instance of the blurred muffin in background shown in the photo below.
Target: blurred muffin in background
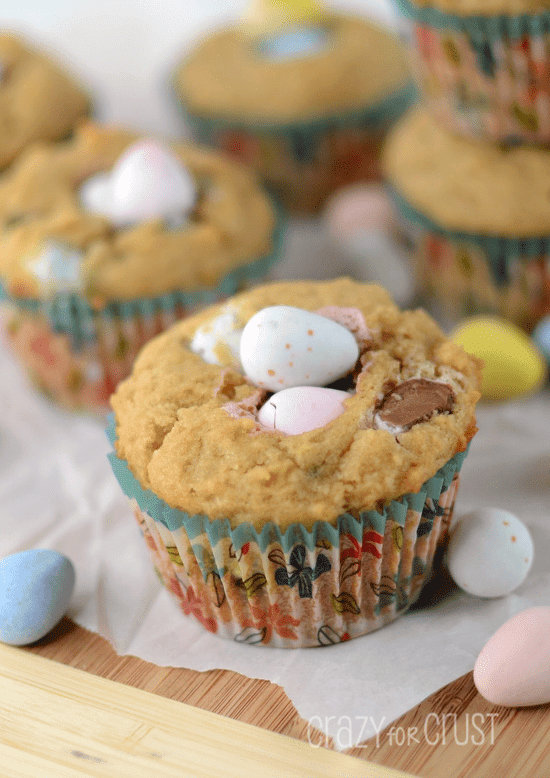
{"x": 302, "y": 95}
{"x": 107, "y": 239}
{"x": 484, "y": 65}
{"x": 38, "y": 102}
{"x": 479, "y": 215}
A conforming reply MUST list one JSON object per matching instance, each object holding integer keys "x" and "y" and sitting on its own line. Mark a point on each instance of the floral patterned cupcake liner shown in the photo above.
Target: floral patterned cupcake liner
{"x": 306, "y": 161}
{"x": 300, "y": 587}
{"x": 484, "y": 76}
{"x": 76, "y": 354}
{"x": 467, "y": 274}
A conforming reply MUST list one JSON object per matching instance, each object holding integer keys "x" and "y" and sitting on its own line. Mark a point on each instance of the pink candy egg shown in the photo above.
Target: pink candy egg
{"x": 513, "y": 669}
{"x": 302, "y": 409}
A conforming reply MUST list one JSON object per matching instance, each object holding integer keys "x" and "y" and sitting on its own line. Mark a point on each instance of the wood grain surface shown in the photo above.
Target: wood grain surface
{"x": 454, "y": 732}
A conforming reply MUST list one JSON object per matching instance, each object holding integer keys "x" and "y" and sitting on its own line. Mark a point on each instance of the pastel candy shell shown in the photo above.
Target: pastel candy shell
{"x": 302, "y": 409}
{"x": 513, "y": 366}
{"x": 35, "y": 591}
{"x": 282, "y": 346}
{"x": 513, "y": 669}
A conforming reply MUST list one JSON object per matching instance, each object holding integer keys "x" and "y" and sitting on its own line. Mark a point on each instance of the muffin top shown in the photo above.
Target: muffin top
{"x": 37, "y": 101}
{"x": 228, "y": 76}
{"x": 232, "y": 222}
{"x": 189, "y": 429}
{"x": 468, "y": 186}
{"x": 485, "y": 7}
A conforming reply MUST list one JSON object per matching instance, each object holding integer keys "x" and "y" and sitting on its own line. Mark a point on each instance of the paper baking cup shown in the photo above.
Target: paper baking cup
{"x": 77, "y": 354}
{"x": 304, "y": 162}
{"x": 467, "y": 274}
{"x": 297, "y": 588}
{"x": 487, "y": 77}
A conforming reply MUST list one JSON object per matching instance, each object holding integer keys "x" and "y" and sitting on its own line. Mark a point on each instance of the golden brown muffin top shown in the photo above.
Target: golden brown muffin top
{"x": 468, "y": 186}
{"x": 37, "y": 100}
{"x": 232, "y": 223}
{"x": 485, "y": 7}
{"x": 189, "y": 433}
{"x": 226, "y": 76}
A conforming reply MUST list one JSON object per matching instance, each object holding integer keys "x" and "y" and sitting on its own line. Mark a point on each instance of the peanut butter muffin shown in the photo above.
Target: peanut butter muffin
{"x": 483, "y": 65}
{"x": 292, "y": 457}
{"x": 106, "y": 239}
{"x": 38, "y": 102}
{"x": 305, "y": 106}
{"x": 480, "y": 214}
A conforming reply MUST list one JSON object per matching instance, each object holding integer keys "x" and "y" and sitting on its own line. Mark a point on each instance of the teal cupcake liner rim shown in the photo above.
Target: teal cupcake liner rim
{"x": 199, "y": 524}
{"x": 71, "y": 314}
{"x": 501, "y": 252}
{"x": 511, "y": 27}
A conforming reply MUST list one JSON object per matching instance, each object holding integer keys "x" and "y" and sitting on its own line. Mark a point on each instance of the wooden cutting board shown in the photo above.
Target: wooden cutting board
{"x": 454, "y": 732}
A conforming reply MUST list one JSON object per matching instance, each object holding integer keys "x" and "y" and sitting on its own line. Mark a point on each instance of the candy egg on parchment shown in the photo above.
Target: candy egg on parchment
{"x": 282, "y": 346}
{"x": 513, "y": 668}
{"x": 490, "y": 552}
{"x": 513, "y": 365}
{"x": 35, "y": 591}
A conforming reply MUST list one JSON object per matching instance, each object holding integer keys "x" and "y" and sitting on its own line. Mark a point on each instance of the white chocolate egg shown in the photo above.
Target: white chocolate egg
{"x": 148, "y": 182}
{"x": 293, "y": 43}
{"x": 282, "y": 346}
{"x": 302, "y": 409}
{"x": 58, "y": 269}
{"x": 218, "y": 341}
{"x": 513, "y": 668}
{"x": 490, "y": 552}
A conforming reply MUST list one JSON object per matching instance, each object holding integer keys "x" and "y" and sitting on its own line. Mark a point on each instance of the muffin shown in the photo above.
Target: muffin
{"x": 479, "y": 216}
{"x": 296, "y": 538}
{"x": 87, "y": 288}
{"x": 39, "y": 102}
{"x": 484, "y": 65}
{"x": 306, "y": 106}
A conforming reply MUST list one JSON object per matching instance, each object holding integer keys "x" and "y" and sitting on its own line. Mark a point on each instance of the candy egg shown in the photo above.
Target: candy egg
{"x": 293, "y": 43}
{"x": 58, "y": 269}
{"x": 302, "y": 409}
{"x": 147, "y": 182}
{"x": 35, "y": 591}
{"x": 541, "y": 336}
{"x": 218, "y": 341}
{"x": 513, "y": 669}
{"x": 282, "y": 346}
{"x": 513, "y": 366}
{"x": 490, "y": 552}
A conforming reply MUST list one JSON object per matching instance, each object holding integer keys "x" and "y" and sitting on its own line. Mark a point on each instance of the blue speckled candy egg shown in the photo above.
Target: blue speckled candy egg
{"x": 541, "y": 336}
{"x": 35, "y": 591}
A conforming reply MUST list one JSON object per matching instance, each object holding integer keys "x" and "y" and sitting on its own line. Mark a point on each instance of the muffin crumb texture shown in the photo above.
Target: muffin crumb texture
{"x": 486, "y": 7}
{"x": 189, "y": 430}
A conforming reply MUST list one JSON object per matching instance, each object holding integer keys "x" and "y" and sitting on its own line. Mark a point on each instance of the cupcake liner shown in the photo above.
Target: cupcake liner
{"x": 305, "y": 161}
{"x": 300, "y": 587}
{"x": 484, "y": 76}
{"x": 467, "y": 274}
{"x": 77, "y": 354}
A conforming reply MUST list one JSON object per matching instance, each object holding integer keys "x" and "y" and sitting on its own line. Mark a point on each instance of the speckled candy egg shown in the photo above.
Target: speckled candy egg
{"x": 490, "y": 552}
{"x": 282, "y": 346}
{"x": 513, "y": 366}
{"x": 35, "y": 591}
{"x": 513, "y": 669}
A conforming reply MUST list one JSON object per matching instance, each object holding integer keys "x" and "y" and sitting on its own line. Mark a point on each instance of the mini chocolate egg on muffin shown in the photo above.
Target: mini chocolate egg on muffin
{"x": 484, "y": 65}
{"x": 38, "y": 102}
{"x": 303, "y": 95}
{"x": 292, "y": 459}
{"x": 107, "y": 239}
{"x": 480, "y": 218}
